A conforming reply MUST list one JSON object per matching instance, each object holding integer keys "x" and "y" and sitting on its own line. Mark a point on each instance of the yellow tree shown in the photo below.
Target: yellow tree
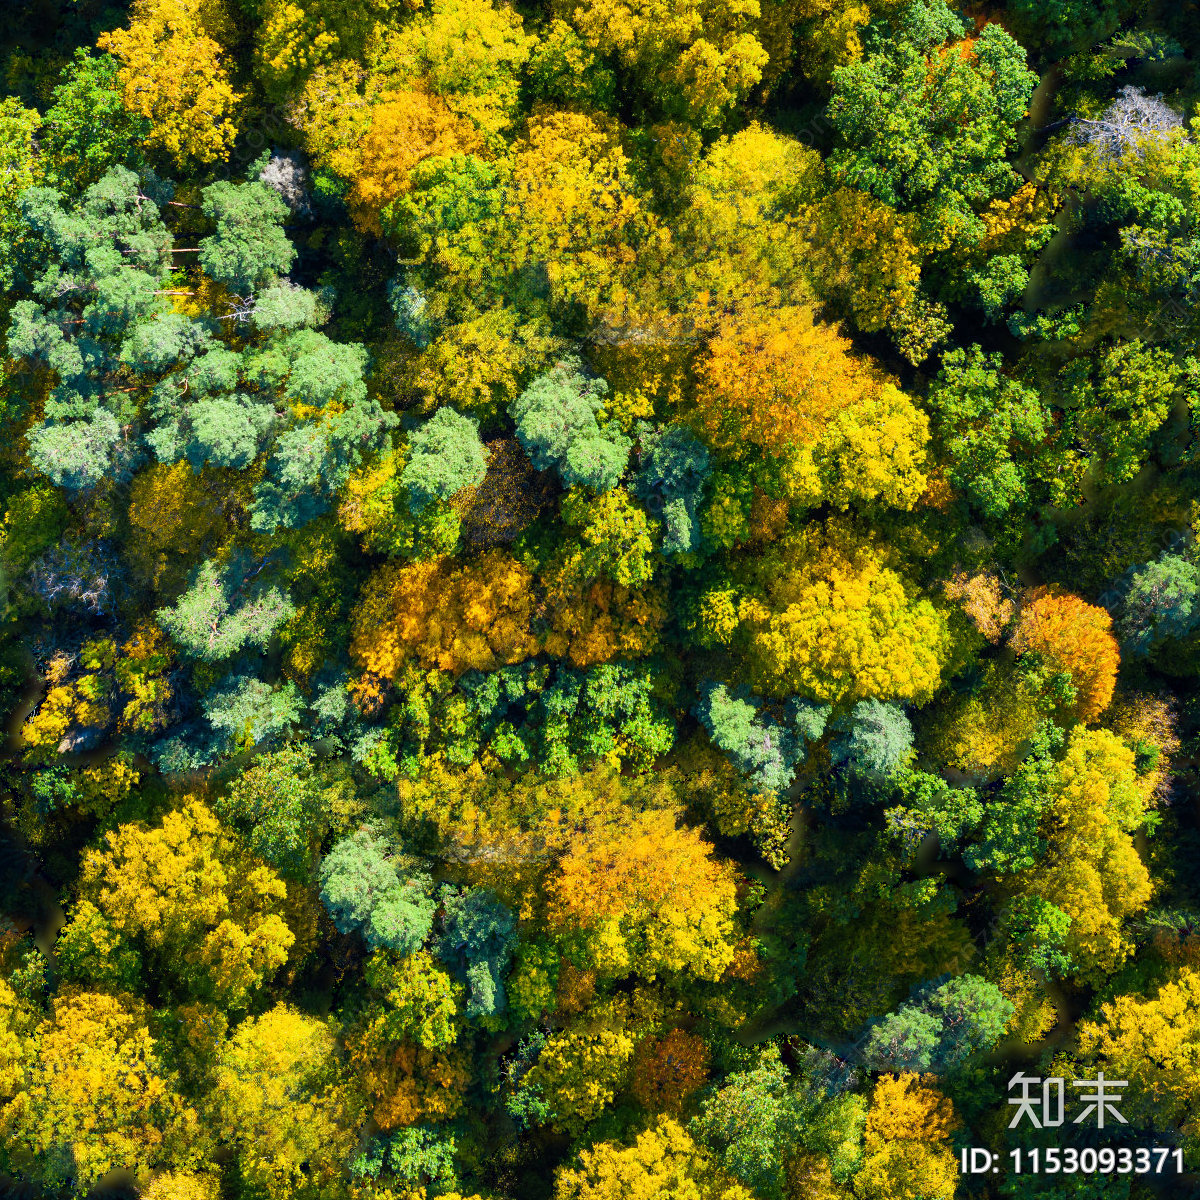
{"x": 1077, "y": 638}
{"x": 196, "y": 898}
{"x": 475, "y": 616}
{"x": 578, "y": 1073}
{"x": 906, "y": 1157}
{"x": 663, "y": 1163}
{"x": 406, "y": 127}
{"x": 1154, "y": 1043}
{"x": 833, "y": 618}
{"x": 649, "y": 894}
{"x": 695, "y": 57}
{"x": 97, "y": 1097}
{"x": 1093, "y": 871}
{"x": 278, "y": 1098}
{"x": 172, "y": 73}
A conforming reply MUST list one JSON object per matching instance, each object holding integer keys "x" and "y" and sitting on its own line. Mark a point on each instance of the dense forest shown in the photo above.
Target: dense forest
{"x": 600, "y": 599}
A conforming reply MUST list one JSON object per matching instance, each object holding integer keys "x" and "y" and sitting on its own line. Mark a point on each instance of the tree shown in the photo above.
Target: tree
{"x": 694, "y": 59}
{"x": 905, "y": 1125}
{"x": 420, "y": 1000}
{"x": 406, "y": 127}
{"x": 835, "y": 621}
{"x": 224, "y": 609}
{"x": 668, "y": 1071}
{"x": 674, "y": 471}
{"x": 557, "y": 426}
{"x": 367, "y": 888}
{"x": 172, "y": 75}
{"x": 1091, "y": 868}
{"x": 245, "y": 711}
{"x": 1161, "y": 603}
{"x": 1132, "y": 119}
{"x": 88, "y": 129}
{"x": 874, "y": 738}
{"x": 1152, "y": 1041}
{"x": 615, "y": 540}
{"x": 663, "y": 1162}
{"x": 276, "y": 804}
{"x": 939, "y": 1025}
{"x": 926, "y": 123}
{"x": 97, "y": 270}
{"x": 649, "y": 895}
{"x": 477, "y": 940}
{"x": 249, "y": 247}
{"x": 578, "y": 1073}
{"x": 759, "y": 1120}
{"x": 1117, "y": 400}
{"x": 278, "y": 1099}
{"x": 475, "y": 616}
{"x": 18, "y": 126}
{"x": 205, "y": 910}
{"x": 89, "y": 950}
{"x": 757, "y": 744}
{"x": 1076, "y": 637}
{"x": 445, "y": 456}
{"x": 98, "y": 1097}
{"x": 993, "y": 427}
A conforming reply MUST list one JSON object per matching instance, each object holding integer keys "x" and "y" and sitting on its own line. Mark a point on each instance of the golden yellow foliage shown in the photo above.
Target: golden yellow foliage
{"x": 601, "y": 620}
{"x": 476, "y": 616}
{"x": 406, "y": 126}
{"x": 1153, "y": 1043}
{"x": 904, "y": 1161}
{"x": 985, "y": 734}
{"x": 1076, "y": 637}
{"x": 579, "y": 1073}
{"x": 983, "y": 600}
{"x": 837, "y": 622}
{"x": 97, "y": 1097}
{"x": 573, "y": 208}
{"x": 664, "y": 1163}
{"x": 651, "y": 896}
{"x": 277, "y": 1097}
{"x": 697, "y": 56}
{"x": 175, "y": 513}
{"x": 193, "y": 895}
{"x": 407, "y": 1083}
{"x": 172, "y": 73}
{"x": 173, "y": 1185}
{"x": 1093, "y": 870}
{"x": 862, "y": 253}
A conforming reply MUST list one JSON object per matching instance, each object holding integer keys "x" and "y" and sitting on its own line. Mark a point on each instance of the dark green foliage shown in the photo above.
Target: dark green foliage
{"x": 87, "y": 128}
{"x": 556, "y": 424}
{"x": 1039, "y": 930}
{"x": 992, "y": 427}
{"x": 674, "y": 469}
{"x": 417, "y": 1156}
{"x": 1009, "y": 837}
{"x": 941, "y": 1024}
{"x": 1162, "y": 601}
{"x": 872, "y": 739}
{"x": 369, "y": 889}
{"x": 276, "y": 805}
{"x": 445, "y": 456}
{"x": 941, "y": 150}
{"x": 555, "y": 719}
{"x": 477, "y": 940}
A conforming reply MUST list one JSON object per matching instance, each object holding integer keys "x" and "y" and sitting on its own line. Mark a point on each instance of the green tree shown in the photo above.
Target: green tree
{"x": 925, "y": 123}
{"x": 368, "y": 888}
{"x": 445, "y": 456}
{"x": 556, "y": 423}
{"x": 87, "y": 128}
{"x": 1163, "y": 601}
{"x": 940, "y": 1024}
{"x": 992, "y": 427}
{"x": 249, "y": 247}
{"x": 477, "y": 940}
{"x": 225, "y": 608}
{"x": 872, "y": 739}
{"x": 276, "y": 803}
